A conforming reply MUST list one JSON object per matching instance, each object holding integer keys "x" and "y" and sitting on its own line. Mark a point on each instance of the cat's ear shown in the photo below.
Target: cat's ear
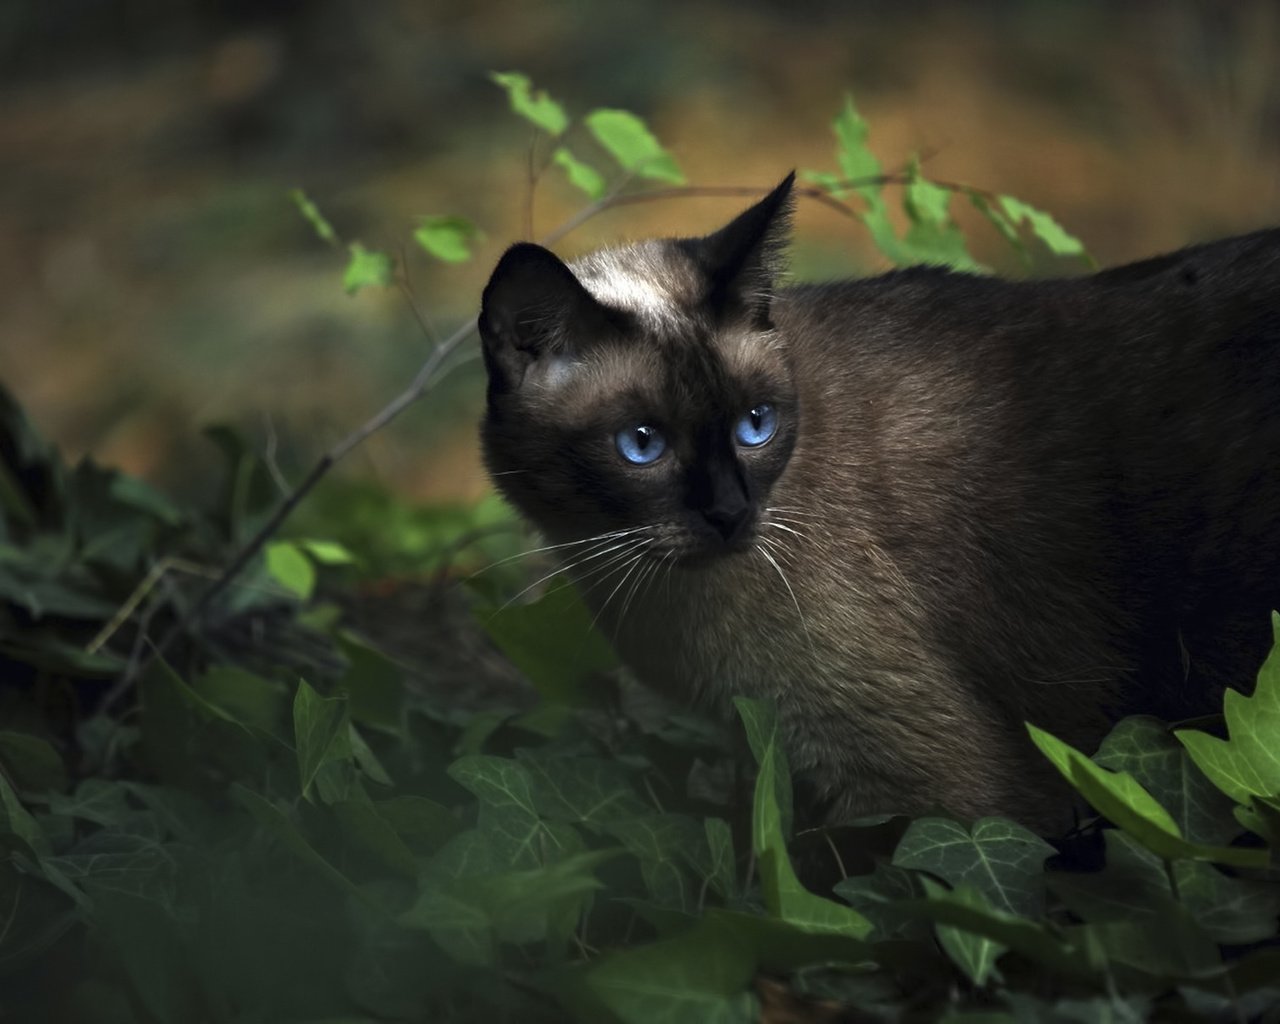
{"x": 743, "y": 259}
{"x": 530, "y": 308}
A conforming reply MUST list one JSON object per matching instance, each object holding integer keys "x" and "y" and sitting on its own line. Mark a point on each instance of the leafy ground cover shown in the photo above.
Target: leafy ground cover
{"x": 390, "y": 776}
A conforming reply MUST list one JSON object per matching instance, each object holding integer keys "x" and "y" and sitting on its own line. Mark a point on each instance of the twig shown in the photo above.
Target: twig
{"x": 422, "y": 383}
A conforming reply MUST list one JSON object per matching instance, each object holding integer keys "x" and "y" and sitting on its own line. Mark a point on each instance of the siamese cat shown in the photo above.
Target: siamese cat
{"x": 916, "y": 510}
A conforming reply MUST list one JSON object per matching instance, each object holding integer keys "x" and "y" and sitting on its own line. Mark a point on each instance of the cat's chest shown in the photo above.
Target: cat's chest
{"x": 771, "y": 622}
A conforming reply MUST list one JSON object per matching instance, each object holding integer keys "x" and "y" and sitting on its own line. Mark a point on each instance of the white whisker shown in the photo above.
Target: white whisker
{"x": 611, "y": 535}
{"x": 783, "y": 576}
{"x": 630, "y": 568}
{"x": 625, "y": 546}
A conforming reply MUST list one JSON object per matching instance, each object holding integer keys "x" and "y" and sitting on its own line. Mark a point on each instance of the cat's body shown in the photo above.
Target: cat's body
{"x": 982, "y": 502}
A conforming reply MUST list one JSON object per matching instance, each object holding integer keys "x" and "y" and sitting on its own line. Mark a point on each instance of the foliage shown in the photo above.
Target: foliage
{"x": 296, "y": 817}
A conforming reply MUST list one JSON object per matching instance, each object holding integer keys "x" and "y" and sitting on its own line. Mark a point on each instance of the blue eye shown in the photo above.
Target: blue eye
{"x": 757, "y": 426}
{"x": 640, "y": 445}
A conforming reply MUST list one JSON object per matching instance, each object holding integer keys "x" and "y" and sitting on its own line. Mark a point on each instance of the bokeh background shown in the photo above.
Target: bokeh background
{"x": 155, "y": 278}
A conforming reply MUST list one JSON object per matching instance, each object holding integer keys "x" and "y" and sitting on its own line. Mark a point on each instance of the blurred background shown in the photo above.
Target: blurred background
{"x": 155, "y": 277}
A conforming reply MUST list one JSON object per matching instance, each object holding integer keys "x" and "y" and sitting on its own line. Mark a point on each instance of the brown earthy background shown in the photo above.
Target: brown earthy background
{"x": 156, "y": 278}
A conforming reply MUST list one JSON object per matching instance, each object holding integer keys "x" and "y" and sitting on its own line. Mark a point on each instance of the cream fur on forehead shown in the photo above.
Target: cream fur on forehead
{"x": 645, "y": 279}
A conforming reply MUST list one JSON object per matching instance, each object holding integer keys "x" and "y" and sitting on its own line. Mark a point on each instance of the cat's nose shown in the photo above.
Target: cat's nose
{"x": 729, "y": 522}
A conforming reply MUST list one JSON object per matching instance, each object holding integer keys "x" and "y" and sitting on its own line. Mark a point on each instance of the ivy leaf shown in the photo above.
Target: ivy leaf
{"x": 535, "y": 107}
{"x": 581, "y": 175}
{"x": 554, "y": 643}
{"x": 446, "y": 238}
{"x": 366, "y": 268}
{"x": 1054, "y": 236}
{"x": 462, "y": 930}
{"x": 580, "y": 790}
{"x": 1031, "y": 939}
{"x": 1132, "y": 885}
{"x": 1002, "y": 861}
{"x": 721, "y": 871}
{"x": 760, "y": 721}
{"x": 16, "y": 820}
{"x": 879, "y": 897}
{"x": 496, "y": 781}
{"x": 290, "y": 568}
{"x": 1248, "y": 763}
{"x": 1119, "y": 798}
{"x": 532, "y": 904}
{"x": 423, "y": 824}
{"x": 1146, "y": 749}
{"x": 320, "y": 728}
{"x": 31, "y": 762}
{"x": 629, "y": 141}
{"x": 370, "y": 831}
{"x": 282, "y": 827}
{"x": 700, "y": 977}
{"x": 975, "y": 955}
{"x": 784, "y": 896}
{"x": 658, "y": 842}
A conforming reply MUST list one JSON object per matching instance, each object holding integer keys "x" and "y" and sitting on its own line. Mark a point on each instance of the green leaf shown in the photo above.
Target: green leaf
{"x": 858, "y": 163}
{"x": 760, "y": 720}
{"x": 16, "y": 820}
{"x": 1031, "y": 939}
{"x": 1133, "y": 883}
{"x": 374, "y": 684}
{"x": 999, "y": 859}
{"x": 554, "y": 643}
{"x": 31, "y": 762}
{"x": 101, "y": 801}
{"x": 975, "y": 955}
{"x": 722, "y": 871}
{"x": 366, "y": 759}
{"x": 581, "y": 175}
{"x": 248, "y": 698}
{"x": 629, "y": 141}
{"x": 320, "y": 729}
{"x": 536, "y": 107}
{"x": 139, "y": 495}
{"x": 366, "y": 269}
{"x": 462, "y": 930}
{"x": 327, "y": 552}
{"x": 932, "y": 237}
{"x": 446, "y": 238}
{"x": 423, "y": 824}
{"x": 534, "y": 904}
{"x": 314, "y": 217}
{"x": 580, "y": 790}
{"x": 290, "y": 568}
{"x": 659, "y": 842}
{"x": 1119, "y": 798}
{"x": 784, "y": 896}
{"x": 701, "y": 977}
{"x": 879, "y": 897}
{"x": 496, "y": 781}
{"x": 1146, "y": 749}
{"x": 1247, "y": 764}
{"x": 369, "y": 830}
{"x": 281, "y": 826}
{"x": 1044, "y": 227}
{"x": 1008, "y": 231}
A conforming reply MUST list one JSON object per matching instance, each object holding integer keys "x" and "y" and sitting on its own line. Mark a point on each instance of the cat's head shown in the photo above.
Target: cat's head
{"x": 643, "y": 388}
